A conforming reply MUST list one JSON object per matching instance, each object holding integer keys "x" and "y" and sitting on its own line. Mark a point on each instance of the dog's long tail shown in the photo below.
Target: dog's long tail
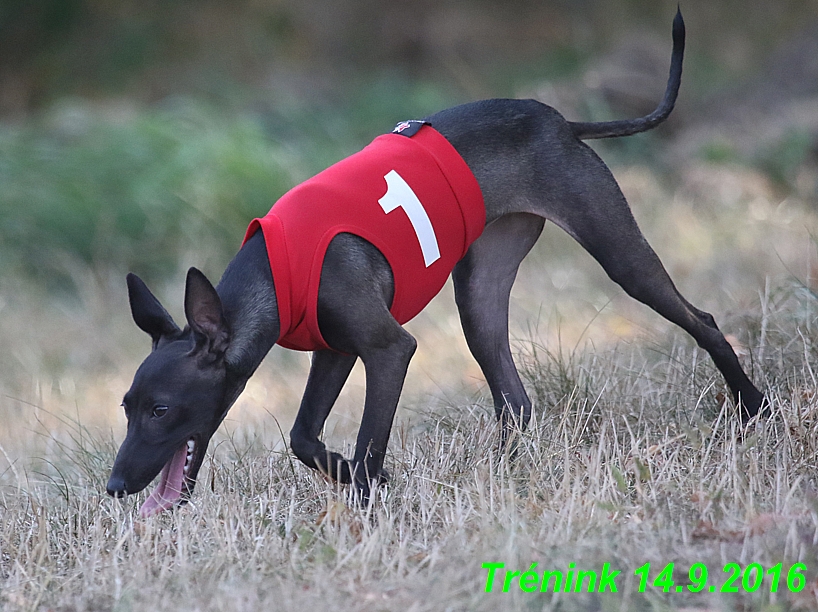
{"x": 626, "y": 127}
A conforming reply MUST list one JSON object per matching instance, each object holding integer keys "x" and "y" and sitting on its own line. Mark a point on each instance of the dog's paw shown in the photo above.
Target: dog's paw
{"x": 754, "y": 403}
{"x": 365, "y": 486}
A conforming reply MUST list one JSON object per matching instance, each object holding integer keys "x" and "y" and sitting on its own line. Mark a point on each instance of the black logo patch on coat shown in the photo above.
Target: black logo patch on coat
{"x": 410, "y": 127}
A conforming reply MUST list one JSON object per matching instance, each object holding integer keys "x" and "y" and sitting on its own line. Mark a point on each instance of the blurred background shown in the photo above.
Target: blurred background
{"x": 143, "y": 136}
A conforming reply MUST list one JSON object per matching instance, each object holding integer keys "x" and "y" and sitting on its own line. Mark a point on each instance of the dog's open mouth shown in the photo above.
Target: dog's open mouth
{"x": 175, "y": 480}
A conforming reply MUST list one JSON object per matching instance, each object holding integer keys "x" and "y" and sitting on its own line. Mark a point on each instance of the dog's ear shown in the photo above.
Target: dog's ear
{"x": 148, "y": 314}
{"x": 203, "y": 309}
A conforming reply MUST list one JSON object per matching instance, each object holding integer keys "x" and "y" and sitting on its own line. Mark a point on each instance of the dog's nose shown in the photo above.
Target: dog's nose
{"x": 116, "y": 486}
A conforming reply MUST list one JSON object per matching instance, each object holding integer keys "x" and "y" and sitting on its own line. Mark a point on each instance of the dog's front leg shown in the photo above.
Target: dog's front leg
{"x": 353, "y": 314}
{"x": 386, "y": 366}
{"x": 328, "y": 373}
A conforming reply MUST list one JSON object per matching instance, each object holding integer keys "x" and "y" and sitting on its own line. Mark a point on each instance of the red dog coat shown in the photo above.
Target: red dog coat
{"x": 414, "y": 198}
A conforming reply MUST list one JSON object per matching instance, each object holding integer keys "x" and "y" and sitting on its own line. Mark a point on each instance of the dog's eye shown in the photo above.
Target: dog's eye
{"x": 159, "y": 411}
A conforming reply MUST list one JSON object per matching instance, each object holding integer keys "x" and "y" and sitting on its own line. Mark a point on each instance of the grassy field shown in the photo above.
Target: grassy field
{"x": 634, "y": 456}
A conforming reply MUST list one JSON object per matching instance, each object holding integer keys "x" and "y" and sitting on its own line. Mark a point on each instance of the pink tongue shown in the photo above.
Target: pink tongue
{"x": 169, "y": 489}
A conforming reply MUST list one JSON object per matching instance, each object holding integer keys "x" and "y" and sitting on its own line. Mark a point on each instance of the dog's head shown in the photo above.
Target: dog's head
{"x": 179, "y": 395}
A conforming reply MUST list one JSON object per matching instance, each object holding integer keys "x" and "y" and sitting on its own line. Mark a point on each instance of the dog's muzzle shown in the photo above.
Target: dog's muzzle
{"x": 116, "y": 487}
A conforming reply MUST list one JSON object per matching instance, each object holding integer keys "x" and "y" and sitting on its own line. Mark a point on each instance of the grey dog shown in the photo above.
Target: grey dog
{"x": 531, "y": 166}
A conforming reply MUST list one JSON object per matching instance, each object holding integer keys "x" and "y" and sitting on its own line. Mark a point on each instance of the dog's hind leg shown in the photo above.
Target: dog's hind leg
{"x": 594, "y": 211}
{"x": 328, "y": 373}
{"x": 482, "y": 284}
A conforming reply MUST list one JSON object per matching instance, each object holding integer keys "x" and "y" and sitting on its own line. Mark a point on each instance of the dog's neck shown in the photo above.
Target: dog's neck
{"x": 249, "y": 304}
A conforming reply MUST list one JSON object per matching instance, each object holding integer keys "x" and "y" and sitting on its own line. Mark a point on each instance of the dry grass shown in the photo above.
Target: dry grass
{"x": 633, "y": 457}
{"x": 634, "y": 462}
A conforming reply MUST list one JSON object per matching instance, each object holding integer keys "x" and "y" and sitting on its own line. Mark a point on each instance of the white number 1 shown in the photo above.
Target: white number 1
{"x": 400, "y": 195}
